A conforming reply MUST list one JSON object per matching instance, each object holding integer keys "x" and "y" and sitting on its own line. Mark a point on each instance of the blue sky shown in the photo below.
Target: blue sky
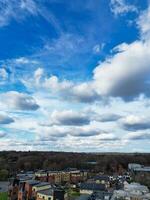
{"x": 74, "y": 75}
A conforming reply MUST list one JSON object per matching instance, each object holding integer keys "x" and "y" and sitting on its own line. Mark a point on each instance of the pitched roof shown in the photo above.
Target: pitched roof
{"x": 101, "y": 177}
{"x": 40, "y": 184}
{"x": 47, "y": 192}
{"x": 32, "y": 182}
{"x": 92, "y": 186}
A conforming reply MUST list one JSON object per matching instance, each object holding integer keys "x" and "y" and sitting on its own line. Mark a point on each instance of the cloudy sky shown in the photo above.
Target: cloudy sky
{"x": 75, "y": 75}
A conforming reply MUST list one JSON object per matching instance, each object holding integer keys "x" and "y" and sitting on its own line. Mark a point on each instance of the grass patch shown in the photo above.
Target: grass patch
{"x": 3, "y": 196}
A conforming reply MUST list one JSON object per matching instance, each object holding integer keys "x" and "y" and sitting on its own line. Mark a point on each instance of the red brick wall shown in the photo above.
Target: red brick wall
{"x": 28, "y": 189}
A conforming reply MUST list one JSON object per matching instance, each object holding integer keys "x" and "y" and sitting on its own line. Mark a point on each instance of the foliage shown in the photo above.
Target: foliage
{"x": 106, "y": 162}
{"x": 3, "y": 196}
{"x": 3, "y": 174}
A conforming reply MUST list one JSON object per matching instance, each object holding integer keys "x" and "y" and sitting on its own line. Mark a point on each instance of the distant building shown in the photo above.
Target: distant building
{"x": 89, "y": 188}
{"x": 102, "y": 179}
{"x": 134, "y": 166}
{"x": 133, "y": 191}
{"x": 50, "y": 194}
{"x": 40, "y": 186}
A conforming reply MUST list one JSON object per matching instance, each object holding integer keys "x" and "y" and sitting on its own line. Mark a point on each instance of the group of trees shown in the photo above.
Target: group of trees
{"x": 11, "y": 162}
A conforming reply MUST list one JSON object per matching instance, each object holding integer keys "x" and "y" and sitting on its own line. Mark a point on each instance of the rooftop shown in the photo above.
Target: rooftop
{"x": 92, "y": 186}
{"x": 47, "y": 192}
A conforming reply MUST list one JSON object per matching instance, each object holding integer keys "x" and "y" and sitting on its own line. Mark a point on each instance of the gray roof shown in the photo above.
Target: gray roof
{"x": 32, "y": 182}
{"x": 101, "y": 177}
{"x": 40, "y": 184}
{"x": 47, "y": 192}
{"x": 92, "y": 186}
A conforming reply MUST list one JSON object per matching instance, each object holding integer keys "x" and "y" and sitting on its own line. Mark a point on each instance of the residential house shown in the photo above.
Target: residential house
{"x": 50, "y": 194}
{"x": 40, "y": 186}
{"x": 89, "y": 188}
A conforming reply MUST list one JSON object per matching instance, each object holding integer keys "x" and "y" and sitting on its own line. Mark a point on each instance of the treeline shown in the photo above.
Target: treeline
{"x": 13, "y": 161}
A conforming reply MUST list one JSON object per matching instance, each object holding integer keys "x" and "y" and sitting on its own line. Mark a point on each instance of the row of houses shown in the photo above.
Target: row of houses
{"x": 25, "y": 188}
{"x": 59, "y": 177}
{"x": 34, "y": 190}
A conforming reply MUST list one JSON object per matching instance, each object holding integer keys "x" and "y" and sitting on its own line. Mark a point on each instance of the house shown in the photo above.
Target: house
{"x": 45, "y": 194}
{"x": 102, "y": 195}
{"x": 102, "y": 179}
{"x": 55, "y": 177}
{"x": 65, "y": 177}
{"x": 41, "y": 175}
{"x": 40, "y": 186}
{"x": 89, "y": 188}
{"x": 13, "y": 189}
{"x": 28, "y": 188}
{"x": 50, "y": 194}
{"x": 133, "y": 191}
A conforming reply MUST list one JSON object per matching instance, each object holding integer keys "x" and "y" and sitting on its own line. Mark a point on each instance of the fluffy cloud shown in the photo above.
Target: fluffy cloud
{"x": 126, "y": 74}
{"x": 66, "y": 90}
{"x": 19, "y": 101}
{"x": 109, "y": 117}
{"x": 134, "y": 123}
{"x": 138, "y": 136}
{"x": 119, "y": 7}
{"x": 4, "y": 119}
{"x": 70, "y": 118}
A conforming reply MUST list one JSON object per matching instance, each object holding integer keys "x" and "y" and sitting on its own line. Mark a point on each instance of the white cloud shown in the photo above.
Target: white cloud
{"x": 18, "y": 101}
{"x": 3, "y": 74}
{"x": 18, "y": 10}
{"x": 24, "y": 60}
{"x": 69, "y": 117}
{"x": 138, "y": 135}
{"x": 38, "y": 75}
{"x": 126, "y": 74}
{"x": 135, "y": 123}
{"x": 119, "y": 7}
{"x": 143, "y": 24}
{"x": 5, "y": 119}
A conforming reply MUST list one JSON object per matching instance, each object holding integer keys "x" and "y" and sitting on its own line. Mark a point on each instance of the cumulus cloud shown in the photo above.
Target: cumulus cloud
{"x": 135, "y": 123}
{"x": 108, "y": 117}
{"x": 120, "y": 7}
{"x": 138, "y": 136}
{"x": 126, "y": 74}
{"x": 67, "y": 90}
{"x": 70, "y": 118}
{"x": 4, "y": 119}
{"x": 19, "y": 101}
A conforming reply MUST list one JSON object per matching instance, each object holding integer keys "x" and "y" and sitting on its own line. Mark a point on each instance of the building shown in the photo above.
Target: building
{"x": 89, "y": 188}
{"x": 28, "y": 188}
{"x": 50, "y": 194}
{"x": 133, "y": 191}
{"x": 40, "y": 186}
{"x": 45, "y": 194}
{"x": 102, "y": 179}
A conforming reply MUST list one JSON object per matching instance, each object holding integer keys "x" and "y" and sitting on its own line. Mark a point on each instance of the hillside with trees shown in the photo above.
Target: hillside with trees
{"x": 12, "y": 161}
